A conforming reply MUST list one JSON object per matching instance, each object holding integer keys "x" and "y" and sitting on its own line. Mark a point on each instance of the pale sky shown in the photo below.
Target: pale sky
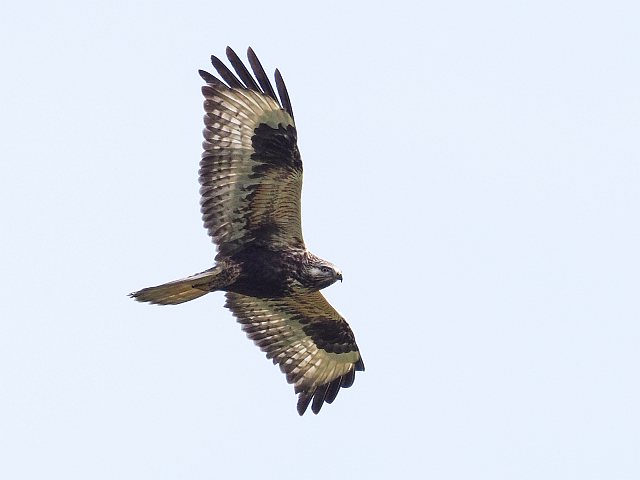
{"x": 472, "y": 167}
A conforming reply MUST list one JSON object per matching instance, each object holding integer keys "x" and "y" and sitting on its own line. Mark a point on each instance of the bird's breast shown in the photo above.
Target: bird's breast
{"x": 265, "y": 273}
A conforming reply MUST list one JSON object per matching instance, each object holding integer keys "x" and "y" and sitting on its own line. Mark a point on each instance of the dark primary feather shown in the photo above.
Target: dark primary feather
{"x": 319, "y": 397}
{"x": 226, "y": 74}
{"x": 207, "y": 77}
{"x": 241, "y": 70}
{"x": 263, "y": 80}
{"x": 284, "y": 95}
{"x": 333, "y": 389}
{"x": 244, "y": 79}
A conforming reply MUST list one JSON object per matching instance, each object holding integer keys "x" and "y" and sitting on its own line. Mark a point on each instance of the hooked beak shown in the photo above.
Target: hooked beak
{"x": 339, "y": 276}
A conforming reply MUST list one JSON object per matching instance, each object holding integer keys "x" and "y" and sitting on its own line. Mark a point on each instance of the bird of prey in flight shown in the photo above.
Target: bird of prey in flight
{"x": 250, "y": 185}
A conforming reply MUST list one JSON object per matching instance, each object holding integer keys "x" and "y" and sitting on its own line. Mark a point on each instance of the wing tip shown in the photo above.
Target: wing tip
{"x": 285, "y": 101}
{"x": 303, "y": 402}
{"x": 207, "y": 77}
{"x": 243, "y": 79}
{"x": 327, "y": 392}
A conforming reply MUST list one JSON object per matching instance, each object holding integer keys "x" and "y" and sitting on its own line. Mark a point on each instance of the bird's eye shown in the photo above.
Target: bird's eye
{"x": 325, "y": 269}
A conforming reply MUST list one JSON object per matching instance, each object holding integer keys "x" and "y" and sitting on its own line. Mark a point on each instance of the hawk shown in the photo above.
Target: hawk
{"x": 251, "y": 181}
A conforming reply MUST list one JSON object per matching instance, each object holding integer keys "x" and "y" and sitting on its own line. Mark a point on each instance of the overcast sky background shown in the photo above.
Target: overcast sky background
{"x": 473, "y": 168}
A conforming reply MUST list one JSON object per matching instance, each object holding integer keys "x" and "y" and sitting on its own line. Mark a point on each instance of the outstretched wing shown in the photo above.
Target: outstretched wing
{"x": 307, "y": 337}
{"x": 251, "y": 171}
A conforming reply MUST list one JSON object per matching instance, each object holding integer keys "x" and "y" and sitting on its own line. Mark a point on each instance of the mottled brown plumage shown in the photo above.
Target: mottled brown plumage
{"x": 251, "y": 181}
{"x": 306, "y": 337}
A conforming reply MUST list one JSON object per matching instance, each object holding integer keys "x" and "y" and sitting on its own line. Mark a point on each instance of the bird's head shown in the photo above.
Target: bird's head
{"x": 319, "y": 273}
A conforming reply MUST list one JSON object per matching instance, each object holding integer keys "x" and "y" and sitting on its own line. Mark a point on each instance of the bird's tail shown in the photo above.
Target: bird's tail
{"x": 183, "y": 290}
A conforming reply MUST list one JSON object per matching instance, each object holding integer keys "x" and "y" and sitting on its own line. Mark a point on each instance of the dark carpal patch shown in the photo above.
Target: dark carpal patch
{"x": 276, "y": 146}
{"x": 330, "y": 335}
